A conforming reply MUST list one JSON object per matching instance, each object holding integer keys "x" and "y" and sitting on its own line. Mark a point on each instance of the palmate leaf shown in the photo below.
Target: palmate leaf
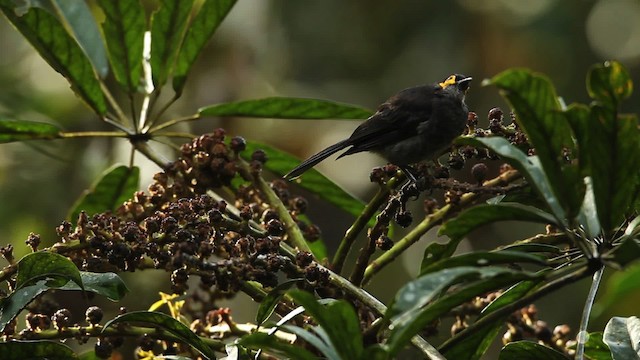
{"x": 534, "y": 100}
{"x": 124, "y": 29}
{"x": 17, "y": 130}
{"x": 606, "y": 140}
{"x": 168, "y": 25}
{"x": 50, "y": 38}
{"x": 287, "y": 108}
{"x": 204, "y": 24}
{"x": 83, "y": 25}
{"x": 529, "y": 166}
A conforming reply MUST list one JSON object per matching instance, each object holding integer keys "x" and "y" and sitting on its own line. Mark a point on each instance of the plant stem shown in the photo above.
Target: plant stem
{"x": 144, "y": 148}
{"x": 428, "y": 223}
{"x": 586, "y": 312}
{"x": 114, "y": 104}
{"x": 293, "y": 231}
{"x": 352, "y": 233}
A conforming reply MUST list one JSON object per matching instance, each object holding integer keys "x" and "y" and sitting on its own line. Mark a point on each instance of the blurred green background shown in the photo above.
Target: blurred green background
{"x": 360, "y": 52}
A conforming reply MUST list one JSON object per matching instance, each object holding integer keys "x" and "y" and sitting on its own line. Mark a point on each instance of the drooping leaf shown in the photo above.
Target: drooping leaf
{"x": 35, "y": 349}
{"x": 280, "y": 163}
{"x": 534, "y": 100}
{"x": 106, "y": 284}
{"x": 338, "y": 319}
{"x": 84, "y": 28}
{"x": 168, "y": 26}
{"x": 166, "y": 322}
{"x": 320, "y": 341}
{"x": 61, "y": 51}
{"x": 528, "y": 350}
{"x": 269, "y": 303}
{"x": 286, "y": 108}
{"x": 263, "y": 341}
{"x": 124, "y": 29}
{"x": 479, "y": 215}
{"x": 16, "y": 130}
{"x": 115, "y": 186}
{"x": 46, "y": 265}
{"x": 204, "y": 24}
{"x": 529, "y": 166}
{"x": 609, "y": 83}
{"x": 414, "y": 307}
{"x": 476, "y": 344}
{"x": 436, "y": 252}
{"x": 109, "y": 285}
{"x": 622, "y": 335}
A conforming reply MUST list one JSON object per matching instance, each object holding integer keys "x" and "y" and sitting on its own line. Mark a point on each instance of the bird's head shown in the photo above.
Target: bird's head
{"x": 461, "y": 82}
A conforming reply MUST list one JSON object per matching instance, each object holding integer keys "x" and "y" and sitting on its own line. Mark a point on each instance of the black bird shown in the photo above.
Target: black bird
{"x": 416, "y": 124}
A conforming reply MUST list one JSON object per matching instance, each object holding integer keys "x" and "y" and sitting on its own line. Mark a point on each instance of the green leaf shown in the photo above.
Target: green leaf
{"x": 281, "y": 163}
{"x": 124, "y": 28}
{"x": 436, "y": 252}
{"x": 614, "y": 173}
{"x": 44, "y": 264}
{"x": 109, "y": 285}
{"x": 622, "y": 336}
{"x": 529, "y": 167}
{"x": 106, "y": 284}
{"x": 484, "y": 258}
{"x": 61, "y": 51}
{"x": 479, "y": 215}
{"x": 204, "y": 24}
{"x": 322, "y": 343}
{"x": 84, "y": 28}
{"x": 536, "y": 105}
{"x": 527, "y": 350}
{"x": 40, "y": 349}
{"x": 595, "y": 348}
{"x": 338, "y": 319}
{"x": 269, "y": 303}
{"x": 88, "y": 355}
{"x": 115, "y": 186}
{"x": 624, "y": 254}
{"x": 413, "y": 309}
{"x": 17, "y": 130}
{"x": 166, "y": 322}
{"x": 261, "y": 340}
{"x": 286, "y": 108}
{"x": 609, "y": 83}
{"x": 476, "y": 344}
{"x": 532, "y": 247}
{"x": 168, "y": 26}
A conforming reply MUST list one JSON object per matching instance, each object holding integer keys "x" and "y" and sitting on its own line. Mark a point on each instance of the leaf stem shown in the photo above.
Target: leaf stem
{"x": 170, "y": 123}
{"x": 586, "y": 312}
{"x": 83, "y": 134}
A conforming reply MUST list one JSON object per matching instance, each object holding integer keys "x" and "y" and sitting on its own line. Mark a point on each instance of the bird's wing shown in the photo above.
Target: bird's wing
{"x": 396, "y": 120}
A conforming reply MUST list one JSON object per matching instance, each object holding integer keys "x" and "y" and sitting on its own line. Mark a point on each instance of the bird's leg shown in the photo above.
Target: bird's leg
{"x": 408, "y": 172}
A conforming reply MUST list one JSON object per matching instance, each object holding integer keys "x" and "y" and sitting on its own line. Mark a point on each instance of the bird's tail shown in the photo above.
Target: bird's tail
{"x": 315, "y": 159}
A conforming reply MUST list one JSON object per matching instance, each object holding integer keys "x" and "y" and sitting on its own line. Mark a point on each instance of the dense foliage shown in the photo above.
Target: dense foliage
{"x": 213, "y": 215}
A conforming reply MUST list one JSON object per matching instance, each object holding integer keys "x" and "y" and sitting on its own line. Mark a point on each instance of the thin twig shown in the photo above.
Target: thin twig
{"x": 428, "y": 223}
